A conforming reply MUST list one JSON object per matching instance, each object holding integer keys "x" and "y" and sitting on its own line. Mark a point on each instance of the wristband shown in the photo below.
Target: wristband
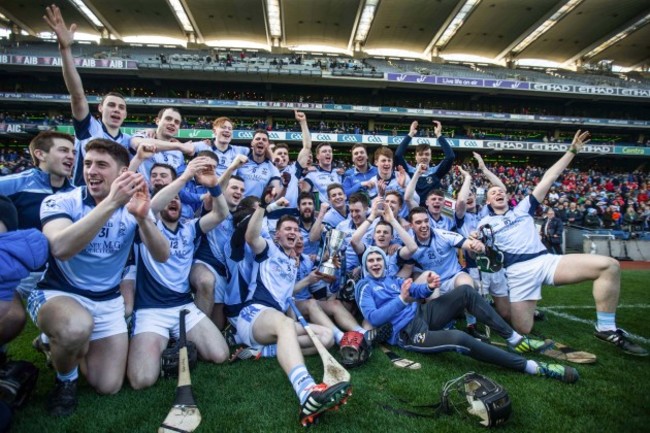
{"x": 271, "y": 207}
{"x": 215, "y": 191}
{"x": 572, "y": 150}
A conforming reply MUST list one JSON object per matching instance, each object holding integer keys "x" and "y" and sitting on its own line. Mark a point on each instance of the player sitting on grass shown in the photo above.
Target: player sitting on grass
{"x": 420, "y": 327}
{"x": 263, "y": 320}
{"x": 529, "y": 265}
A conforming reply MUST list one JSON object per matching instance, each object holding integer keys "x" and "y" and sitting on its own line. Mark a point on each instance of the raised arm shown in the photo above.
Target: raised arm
{"x": 219, "y": 211}
{"x": 461, "y": 200}
{"x": 254, "y": 230}
{"x": 166, "y": 194}
{"x": 409, "y": 192}
{"x": 231, "y": 169}
{"x": 65, "y": 37}
{"x": 400, "y": 153}
{"x": 357, "y": 237}
{"x": 305, "y": 152}
{"x": 410, "y": 247}
{"x": 491, "y": 177}
{"x": 551, "y": 175}
{"x": 316, "y": 230}
{"x": 143, "y": 153}
{"x": 449, "y": 155}
{"x": 69, "y": 238}
{"x": 163, "y": 146}
{"x": 140, "y": 206}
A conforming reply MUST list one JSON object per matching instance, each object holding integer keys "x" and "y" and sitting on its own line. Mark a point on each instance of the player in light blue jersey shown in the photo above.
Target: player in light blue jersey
{"x": 336, "y": 208}
{"x": 529, "y": 265}
{"x": 263, "y": 320}
{"x": 53, "y": 155}
{"x": 306, "y": 221}
{"x": 291, "y": 172}
{"x": 437, "y": 251}
{"x": 323, "y": 174}
{"x": 225, "y": 152}
{"x": 388, "y": 179}
{"x": 259, "y": 172}
{"x": 383, "y": 224}
{"x": 395, "y": 200}
{"x": 90, "y": 232}
{"x": 361, "y": 177}
{"x": 163, "y": 289}
{"x": 350, "y": 269}
{"x": 209, "y": 275}
{"x": 112, "y": 107}
{"x": 168, "y": 150}
{"x": 467, "y": 221}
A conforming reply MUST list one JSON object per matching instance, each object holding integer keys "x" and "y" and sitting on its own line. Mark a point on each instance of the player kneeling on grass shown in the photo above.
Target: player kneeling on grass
{"x": 162, "y": 289}
{"x": 420, "y": 327}
{"x": 78, "y": 304}
{"x": 263, "y": 320}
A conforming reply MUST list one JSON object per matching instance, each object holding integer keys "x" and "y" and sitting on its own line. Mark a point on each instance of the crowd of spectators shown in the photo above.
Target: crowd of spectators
{"x": 14, "y": 160}
{"x": 591, "y": 199}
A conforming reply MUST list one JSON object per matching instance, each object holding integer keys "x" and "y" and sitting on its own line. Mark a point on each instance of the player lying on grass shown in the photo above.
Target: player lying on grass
{"x": 529, "y": 265}
{"x": 420, "y": 327}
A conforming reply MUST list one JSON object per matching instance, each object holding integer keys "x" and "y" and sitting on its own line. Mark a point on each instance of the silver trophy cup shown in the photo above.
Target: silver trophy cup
{"x": 333, "y": 244}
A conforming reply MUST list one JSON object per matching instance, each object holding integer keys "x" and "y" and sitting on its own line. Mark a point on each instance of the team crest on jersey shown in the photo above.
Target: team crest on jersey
{"x": 122, "y": 230}
{"x": 50, "y": 203}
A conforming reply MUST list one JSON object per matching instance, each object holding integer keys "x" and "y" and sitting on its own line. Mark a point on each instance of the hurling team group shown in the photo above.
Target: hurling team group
{"x": 141, "y": 227}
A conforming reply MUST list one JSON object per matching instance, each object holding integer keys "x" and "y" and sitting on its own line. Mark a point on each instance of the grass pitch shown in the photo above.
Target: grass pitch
{"x": 252, "y": 396}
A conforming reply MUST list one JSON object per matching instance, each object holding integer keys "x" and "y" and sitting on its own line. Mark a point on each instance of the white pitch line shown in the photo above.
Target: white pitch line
{"x": 589, "y": 322}
{"x": 593, "y": 307}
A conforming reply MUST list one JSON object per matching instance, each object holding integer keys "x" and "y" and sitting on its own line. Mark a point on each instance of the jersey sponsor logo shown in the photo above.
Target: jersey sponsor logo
{"x": 104, "y": 246}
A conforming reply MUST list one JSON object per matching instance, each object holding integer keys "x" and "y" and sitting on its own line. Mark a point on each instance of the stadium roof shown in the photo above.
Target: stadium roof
{"x": 559, "y": 31}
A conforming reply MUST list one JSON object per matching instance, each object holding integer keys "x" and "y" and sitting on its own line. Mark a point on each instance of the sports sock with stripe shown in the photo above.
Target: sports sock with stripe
{"x": 605, "y": 321}
{"x": 301, "y": 381}
{"x": 338, "y": 335}
{"x": 270, "y": 351}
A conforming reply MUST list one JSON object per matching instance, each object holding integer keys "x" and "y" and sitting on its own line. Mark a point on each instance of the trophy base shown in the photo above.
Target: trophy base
{"x": 329, "y": 271}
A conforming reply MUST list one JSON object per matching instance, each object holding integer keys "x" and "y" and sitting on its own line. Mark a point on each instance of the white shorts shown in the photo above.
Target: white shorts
{"x": 494, "y": 283}
{"x": 448, "y": 285}
{"x": 129, "y": 273}
{"x": 28, "y": 284}
{"x": 525, "y": 279}
{"x": 220, "y": 282}
{"x": 164, "y": 321}
{"x": 245, "y": 322}
{"x": 108, "y": 316}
